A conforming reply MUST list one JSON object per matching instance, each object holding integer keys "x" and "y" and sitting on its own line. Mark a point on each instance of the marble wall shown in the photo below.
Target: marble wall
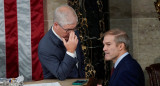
{"x": 146, "y": 33}
{"x": 140, "y": 20}
{"x": 121, "y": 17}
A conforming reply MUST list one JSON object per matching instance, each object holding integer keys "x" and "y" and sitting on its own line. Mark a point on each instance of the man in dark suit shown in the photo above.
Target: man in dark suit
{"x": 60, "y": 51}
{"x": 127, "y": 72}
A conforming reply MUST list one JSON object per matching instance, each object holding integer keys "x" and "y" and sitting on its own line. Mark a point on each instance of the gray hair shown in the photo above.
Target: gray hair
{"x": 64, "y": 17}
{"x": 120, "y": 37}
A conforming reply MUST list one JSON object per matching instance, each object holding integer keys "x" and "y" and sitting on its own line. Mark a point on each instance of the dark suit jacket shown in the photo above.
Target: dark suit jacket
{"x": 127, "y": 73}
{"x": 56, "y": 63}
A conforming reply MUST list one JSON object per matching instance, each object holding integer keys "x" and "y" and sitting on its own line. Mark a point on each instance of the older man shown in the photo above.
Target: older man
{"x": 59, "y": 51}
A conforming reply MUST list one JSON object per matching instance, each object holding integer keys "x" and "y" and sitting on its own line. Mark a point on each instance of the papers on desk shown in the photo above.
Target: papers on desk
{"x": 44, "y": 84}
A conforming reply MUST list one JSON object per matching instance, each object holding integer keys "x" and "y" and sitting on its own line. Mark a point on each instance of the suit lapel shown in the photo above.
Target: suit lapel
{"x": 78, "y": 52}
{"x": 114, "y": 75}
{"x": 55, "y": 39}
{"x": 77, "y": 49}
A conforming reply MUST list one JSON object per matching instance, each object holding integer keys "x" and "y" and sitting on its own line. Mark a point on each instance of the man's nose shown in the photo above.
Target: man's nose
{"x": 104, "y": 48}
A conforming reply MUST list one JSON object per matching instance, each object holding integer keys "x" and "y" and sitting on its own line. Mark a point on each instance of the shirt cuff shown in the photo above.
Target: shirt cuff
{"x": 71, "y": 54}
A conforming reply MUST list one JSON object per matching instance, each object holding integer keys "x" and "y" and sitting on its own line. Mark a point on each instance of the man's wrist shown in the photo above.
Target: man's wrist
{"x": 71, "y": 54}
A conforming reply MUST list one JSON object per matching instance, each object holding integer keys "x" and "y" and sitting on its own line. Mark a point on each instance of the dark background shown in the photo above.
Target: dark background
{"x": 93, "y": 22}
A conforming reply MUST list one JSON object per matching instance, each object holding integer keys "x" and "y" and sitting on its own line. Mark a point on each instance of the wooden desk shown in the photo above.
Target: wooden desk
{"x": 67, "y": 82}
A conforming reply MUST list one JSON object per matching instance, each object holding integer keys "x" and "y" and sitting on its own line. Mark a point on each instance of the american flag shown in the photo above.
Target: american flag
{"x": 21, "y": 28}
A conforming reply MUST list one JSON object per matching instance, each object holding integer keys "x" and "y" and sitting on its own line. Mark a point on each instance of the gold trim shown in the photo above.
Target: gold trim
{"x": 157, "y": 6}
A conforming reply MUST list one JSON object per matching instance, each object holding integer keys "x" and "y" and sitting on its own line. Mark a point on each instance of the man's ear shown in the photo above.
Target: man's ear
{"x": 55, "y": 24}
{"x": 121, "y": 46}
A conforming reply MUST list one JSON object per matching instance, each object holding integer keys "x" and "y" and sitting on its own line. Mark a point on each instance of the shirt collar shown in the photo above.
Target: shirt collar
{"x": 120, "y": 58}
{"x": 56, "y": 34}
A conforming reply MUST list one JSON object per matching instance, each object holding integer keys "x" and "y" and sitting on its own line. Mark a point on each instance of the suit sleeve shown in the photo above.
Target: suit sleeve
{"x": 60, "y": 69}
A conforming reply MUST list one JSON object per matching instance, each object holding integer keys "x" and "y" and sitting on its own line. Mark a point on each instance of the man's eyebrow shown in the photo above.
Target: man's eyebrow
{"x": 106, "y": 42}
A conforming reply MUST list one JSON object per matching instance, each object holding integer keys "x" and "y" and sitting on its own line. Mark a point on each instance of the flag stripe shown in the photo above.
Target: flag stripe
{"x": 11, "y": 38}
{"x": 21, "y": 28}
{"x": 2, "y": 42}
{"x": 24, "y": 39}
{"x": 37, "y": 31}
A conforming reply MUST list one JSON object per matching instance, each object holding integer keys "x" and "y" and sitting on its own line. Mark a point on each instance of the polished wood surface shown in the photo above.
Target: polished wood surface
{"x": 67, "y": 82}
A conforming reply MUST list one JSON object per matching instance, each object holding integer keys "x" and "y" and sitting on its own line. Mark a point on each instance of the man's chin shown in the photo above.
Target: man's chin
{"x": 107, "y": 58}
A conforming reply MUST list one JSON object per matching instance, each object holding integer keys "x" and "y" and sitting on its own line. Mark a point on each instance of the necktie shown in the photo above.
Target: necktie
{"x": 112, "y": 70}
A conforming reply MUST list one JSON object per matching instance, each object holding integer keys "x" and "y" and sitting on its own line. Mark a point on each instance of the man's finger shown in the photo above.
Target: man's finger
{"x": 75, "y": 37}
{"x": 71, "y": 36}
{"x": 64, "y": 41}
